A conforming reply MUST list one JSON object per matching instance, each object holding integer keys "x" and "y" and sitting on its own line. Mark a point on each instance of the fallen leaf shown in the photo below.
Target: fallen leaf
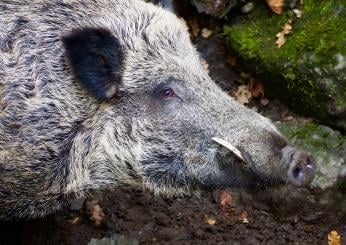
{"x": 298, "y": 13}
{"x": 277, "y": 6}
{"x": 281, "y": 35}
{"x": 194, "y": 27}
{"x": 244, "y": 217}
{"x": 280, "y": 39}
{"x": 232, "y": 60}
{"x": 256, "y": 89}
{"x": 242, "y": 95}
{"x": 225, "y": 199}
{"x": 287, "y": 27}
{"x": 264, "y": 101}
{"x": 206, "y": 33}
{"x": 247, "y": 8}
{"x": 334, "y": 238}
{"x": 226, "y": 202}
{"x": 97, "y": 214}
{"x": 95, "y": 211}
{"x": 210, "y": 220}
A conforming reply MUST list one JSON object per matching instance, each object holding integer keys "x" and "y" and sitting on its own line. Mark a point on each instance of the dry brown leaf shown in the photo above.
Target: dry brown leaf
{"x": 281, "y": 35}
{"x": 194, "y": 27}
{"x": 256, "y": 89}
{"x": 97, "y": 214}
{"x": 287, "y": 27}
{"x": 244, "y": 217}
{"x": 277, "y": 6}
{"x": 225, "y": 199}
{"x": 226, "y": 202}
{"x": 210, "y": 220}
{"x": 206, "y": 33}
{"x": 280, "y": 39}
{"x": 264, "y": 101}
{"x": 95, "y": 211}
{"x": 232, "y": 60}
{"x": 334, "y": 238}
{"x": 242, "y": 95}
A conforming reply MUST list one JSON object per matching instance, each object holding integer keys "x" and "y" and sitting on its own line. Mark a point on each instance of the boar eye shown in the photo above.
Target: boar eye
{"x": 167, "y": 93}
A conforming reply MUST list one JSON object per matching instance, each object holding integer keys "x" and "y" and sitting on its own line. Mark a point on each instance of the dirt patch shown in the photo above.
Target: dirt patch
{"x": 158, "y": 220}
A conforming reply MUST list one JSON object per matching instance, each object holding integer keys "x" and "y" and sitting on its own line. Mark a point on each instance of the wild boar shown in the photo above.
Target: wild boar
{"x": 97, "y": 94}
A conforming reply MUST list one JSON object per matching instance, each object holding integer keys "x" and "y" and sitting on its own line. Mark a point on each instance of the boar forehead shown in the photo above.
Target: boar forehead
{"x": 163, "y": 52}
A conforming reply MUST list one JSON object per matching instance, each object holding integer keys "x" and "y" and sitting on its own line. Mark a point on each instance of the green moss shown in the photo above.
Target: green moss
{"x": 312, "y": 135}
{"x": 303, "y": 70}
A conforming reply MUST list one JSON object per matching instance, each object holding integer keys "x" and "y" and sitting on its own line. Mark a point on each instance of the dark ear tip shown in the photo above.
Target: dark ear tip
{"x": 72, "y": 38}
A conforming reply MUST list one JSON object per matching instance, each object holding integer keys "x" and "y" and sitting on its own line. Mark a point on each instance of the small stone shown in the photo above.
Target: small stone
{"x": 247, "y": 8}
{"x": 115, "y": 239}
{"x": 206, "y": 33}
{"x": 76, "y": 204}
{"x": 264, "y": 101}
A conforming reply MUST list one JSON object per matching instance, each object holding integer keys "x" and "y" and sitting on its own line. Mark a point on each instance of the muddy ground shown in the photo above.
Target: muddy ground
{"x": 157, "y": 220}
{"x": 197, "y": 219}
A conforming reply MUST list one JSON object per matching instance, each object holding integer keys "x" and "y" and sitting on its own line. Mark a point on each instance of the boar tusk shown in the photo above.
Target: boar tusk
{"x": 230, "y": 147}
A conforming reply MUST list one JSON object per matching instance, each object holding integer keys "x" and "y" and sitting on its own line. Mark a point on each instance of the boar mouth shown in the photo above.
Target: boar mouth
{"x": 255, "y": 180}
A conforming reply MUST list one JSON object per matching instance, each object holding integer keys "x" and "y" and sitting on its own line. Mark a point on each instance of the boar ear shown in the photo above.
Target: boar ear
{"x": 96, "y": 59}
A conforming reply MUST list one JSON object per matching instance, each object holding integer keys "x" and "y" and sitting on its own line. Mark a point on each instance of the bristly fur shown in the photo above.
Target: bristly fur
{"x": 80, "y": 107}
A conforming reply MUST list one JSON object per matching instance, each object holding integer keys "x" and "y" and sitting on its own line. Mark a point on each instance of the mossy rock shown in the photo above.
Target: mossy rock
{"x": 309, "y": 71}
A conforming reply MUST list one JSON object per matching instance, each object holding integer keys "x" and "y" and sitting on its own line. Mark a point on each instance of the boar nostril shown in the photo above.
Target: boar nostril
{"x": 301, "y": 169}
{"x": 298, "y": 170}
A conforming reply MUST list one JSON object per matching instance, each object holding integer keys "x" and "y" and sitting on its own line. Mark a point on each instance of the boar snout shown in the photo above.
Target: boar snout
{"x": 301, "y": 166}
